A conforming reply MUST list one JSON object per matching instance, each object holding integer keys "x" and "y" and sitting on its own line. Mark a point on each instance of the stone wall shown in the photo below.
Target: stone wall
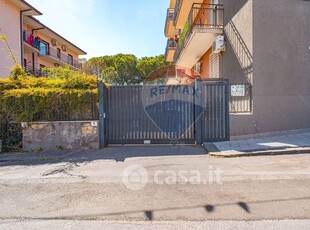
{"x": 60, "y": 135}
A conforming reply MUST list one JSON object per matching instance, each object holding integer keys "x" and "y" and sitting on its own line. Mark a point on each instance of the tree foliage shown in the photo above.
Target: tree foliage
{"x": 147, "y": 65}
{"x": 123, "y": 69}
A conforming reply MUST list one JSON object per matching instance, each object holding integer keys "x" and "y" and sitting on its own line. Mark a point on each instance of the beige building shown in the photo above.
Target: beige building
{"x": 261, "y": 46}
{"x": 34, "y": 45}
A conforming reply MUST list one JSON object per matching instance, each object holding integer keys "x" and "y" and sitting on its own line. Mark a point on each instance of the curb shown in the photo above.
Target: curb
{"x": 261, "y": 153}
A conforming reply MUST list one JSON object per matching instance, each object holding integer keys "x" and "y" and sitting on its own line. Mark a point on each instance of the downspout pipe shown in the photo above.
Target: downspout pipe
{"x": 21, "y": 35}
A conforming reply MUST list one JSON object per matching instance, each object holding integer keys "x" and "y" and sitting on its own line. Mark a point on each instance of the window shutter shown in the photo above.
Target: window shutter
{"x": 214, "y": 65}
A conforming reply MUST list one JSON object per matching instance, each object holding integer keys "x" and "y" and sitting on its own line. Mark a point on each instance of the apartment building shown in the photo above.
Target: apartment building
{"x": 261, "y": 46}
{"x": 34, "y": 45}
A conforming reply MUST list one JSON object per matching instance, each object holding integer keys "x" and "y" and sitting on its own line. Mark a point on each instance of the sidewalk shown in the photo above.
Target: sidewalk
{"x": 290, "y": 142}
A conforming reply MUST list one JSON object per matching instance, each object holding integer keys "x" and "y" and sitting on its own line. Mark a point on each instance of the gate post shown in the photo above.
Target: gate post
{"x": 198, "y": 113}
{"x": 102, "y": 141}
{"x": 227, "y": 97}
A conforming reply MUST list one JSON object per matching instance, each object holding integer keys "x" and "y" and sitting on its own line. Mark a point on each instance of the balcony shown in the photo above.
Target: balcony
{"x": 31, "y": 42}
{"x": 181, "y": 11}
{"x": 204, "y": 24}
{"x": 59, "y": 58}
{"x": 34, "y": 71}
{"x": 170, "y": 30}
{"x": 170, "y": 50}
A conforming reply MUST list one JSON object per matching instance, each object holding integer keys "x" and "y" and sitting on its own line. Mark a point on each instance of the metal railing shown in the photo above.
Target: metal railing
{"x": 34, "y": 71}
{"x": 202, "y": 16}
{"x": 240, "y": 98}
{"x": 63, "y": 57}
{"x": 171, "y": 45}
{"x": 69, "y": 111}
{"x": 177, "y": 9}
{"x": 170, "y": 13}
{"x": 35, "y": 40}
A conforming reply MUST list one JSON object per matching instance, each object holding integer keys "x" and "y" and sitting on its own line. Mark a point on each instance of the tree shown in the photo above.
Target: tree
{"x": 147, "y": 65}
{"x": 93, "y": 66}
{"x": 123, "y": 69}
{"x": 126, "y": 70}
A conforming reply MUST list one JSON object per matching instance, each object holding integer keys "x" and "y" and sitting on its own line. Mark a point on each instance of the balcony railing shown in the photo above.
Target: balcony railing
{"x": 31, "y": 39}
{"x": 177, "y": 8}
{"x": 202, "y": 16}
{"x": 169, "y": 17}
{"x": 34, "y": 71}
{"x": 62, "y": 57}
{"x": 171, "y": 45}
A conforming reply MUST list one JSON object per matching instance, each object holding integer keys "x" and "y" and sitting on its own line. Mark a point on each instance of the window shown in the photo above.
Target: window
{"x": 70, "y": 59}
{"x": 58, "y": 53}
{"x": 214, "y": 62}
{"x": 44, "y": 48}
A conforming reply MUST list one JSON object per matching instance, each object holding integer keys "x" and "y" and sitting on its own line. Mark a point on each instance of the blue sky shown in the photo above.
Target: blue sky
{"x": 107, "y": 27}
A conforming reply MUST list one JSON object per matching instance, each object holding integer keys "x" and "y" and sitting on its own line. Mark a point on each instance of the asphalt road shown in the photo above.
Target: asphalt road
{"x": 88, "y": 186}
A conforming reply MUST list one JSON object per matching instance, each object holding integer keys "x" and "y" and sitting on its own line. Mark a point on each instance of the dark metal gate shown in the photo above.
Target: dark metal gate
{"x": 215, "y": 120}
{"x": 163, "y": 114}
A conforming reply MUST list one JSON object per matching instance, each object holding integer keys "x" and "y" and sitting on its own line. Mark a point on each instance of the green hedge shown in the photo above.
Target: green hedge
{"x": 62, "y": 95}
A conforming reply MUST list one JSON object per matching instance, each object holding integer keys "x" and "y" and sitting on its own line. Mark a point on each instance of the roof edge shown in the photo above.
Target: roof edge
{"x": 46, "y": 27}
{"x": 30, "y": 6}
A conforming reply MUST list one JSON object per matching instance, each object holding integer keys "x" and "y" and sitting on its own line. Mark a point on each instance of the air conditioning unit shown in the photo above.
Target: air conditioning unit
{"x": 218, "y": 44}
{"x": 64, "y": 48}
{"x": 54, "y": 42}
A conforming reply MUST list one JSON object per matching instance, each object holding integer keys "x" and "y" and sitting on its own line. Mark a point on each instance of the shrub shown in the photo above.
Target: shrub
{"x": 62, "y": 95}
{"x": 17, "y": 72}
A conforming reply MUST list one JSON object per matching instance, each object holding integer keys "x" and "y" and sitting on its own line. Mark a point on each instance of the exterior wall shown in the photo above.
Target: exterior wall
{"x": 281, "y": 64}
{"x": 51, "y": 136}
{"x": 10, "y": 26}
{"x": 268, "y": 45}
{"x": 182, "y": 73}
{"x": 44, "y": 62}
{"x": 238, "y": 29}
{"x": 237, "y": 60}
{"x": 205, "y": 65}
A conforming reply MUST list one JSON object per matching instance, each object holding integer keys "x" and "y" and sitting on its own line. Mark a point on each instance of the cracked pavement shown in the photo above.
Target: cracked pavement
{"x": 87, "y": 185}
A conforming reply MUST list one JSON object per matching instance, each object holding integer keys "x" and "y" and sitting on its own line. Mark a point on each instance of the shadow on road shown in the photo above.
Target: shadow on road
{"x": 116, "y": 153}
{"x": 149, "y": 214}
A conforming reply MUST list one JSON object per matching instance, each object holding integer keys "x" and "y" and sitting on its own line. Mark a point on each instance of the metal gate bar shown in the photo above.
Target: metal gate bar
{"x": 215, "y": 121}
{"x": 124, "y": 119}
{"x": 128, "y": 122}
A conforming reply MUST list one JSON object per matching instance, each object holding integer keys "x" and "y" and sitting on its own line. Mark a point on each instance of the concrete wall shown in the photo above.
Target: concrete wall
{"x": 10, "y": 26}
{"x": 268, "y": 45}
{"x": 237, "y": 60}
{"x": 51, "y": 136}
{"x": 281, "y": 64}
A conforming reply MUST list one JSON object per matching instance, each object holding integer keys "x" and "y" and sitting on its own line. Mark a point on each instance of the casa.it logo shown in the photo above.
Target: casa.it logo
{"x": 135, "y": 177}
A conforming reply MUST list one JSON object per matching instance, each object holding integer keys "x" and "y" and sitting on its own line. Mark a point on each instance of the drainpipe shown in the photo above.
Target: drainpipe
{"x": 21, "y": 35}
